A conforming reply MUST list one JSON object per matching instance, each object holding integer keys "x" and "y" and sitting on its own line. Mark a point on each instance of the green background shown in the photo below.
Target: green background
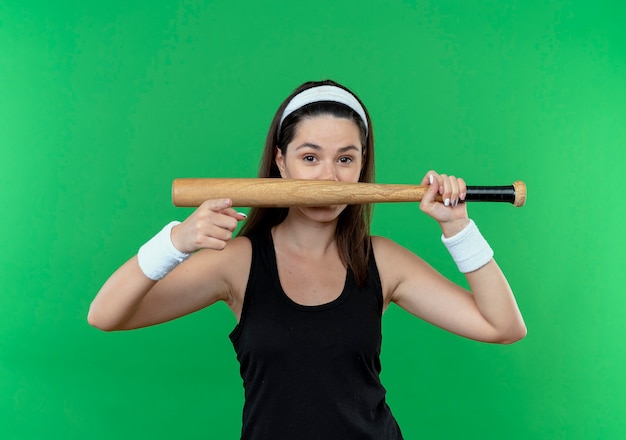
{"x": 102, "y": 104}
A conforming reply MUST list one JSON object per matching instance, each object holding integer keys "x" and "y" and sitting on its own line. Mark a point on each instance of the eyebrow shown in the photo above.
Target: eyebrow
{"x": 317, "y": 147}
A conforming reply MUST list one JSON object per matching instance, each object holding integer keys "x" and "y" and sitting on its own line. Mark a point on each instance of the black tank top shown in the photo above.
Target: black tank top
{"x": 310, "y": 372}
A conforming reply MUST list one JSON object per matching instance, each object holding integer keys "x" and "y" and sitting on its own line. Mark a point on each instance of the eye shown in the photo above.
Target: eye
{"x": 309, "y": 158}
{"x": 345, "y": 160}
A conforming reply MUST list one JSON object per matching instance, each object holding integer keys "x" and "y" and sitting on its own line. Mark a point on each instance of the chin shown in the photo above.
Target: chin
{"x": 324, "y": 214}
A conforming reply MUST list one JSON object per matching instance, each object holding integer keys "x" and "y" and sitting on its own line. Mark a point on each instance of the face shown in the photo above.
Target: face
{"x": 323, "y": 148}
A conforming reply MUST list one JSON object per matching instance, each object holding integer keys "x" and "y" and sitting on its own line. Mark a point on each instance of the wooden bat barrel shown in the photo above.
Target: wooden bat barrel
{"x": 274, "y": 192}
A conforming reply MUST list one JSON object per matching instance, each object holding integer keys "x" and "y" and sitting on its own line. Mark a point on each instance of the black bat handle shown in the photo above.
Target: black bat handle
{"x": 515, "y": 194}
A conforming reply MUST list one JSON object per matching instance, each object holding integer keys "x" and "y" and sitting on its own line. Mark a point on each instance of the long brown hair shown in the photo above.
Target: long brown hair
{"x": 353, "y": 226}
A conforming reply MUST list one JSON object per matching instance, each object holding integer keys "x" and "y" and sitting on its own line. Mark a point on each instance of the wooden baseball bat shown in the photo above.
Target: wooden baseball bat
{"x": 274, "y": 192}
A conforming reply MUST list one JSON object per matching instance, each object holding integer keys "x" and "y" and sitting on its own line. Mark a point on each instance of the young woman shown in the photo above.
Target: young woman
{"x": 308, "y": 285}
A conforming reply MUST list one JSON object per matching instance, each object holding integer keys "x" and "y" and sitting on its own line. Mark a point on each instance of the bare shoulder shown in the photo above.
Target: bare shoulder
{"x": 218, "y": 272}
{"x": 232, "y": 261}
{"x": 239, "y": 245}
{"x": 239, "y": 256}
{"x": 396, "y": 264}
{"x": 383, "y": 244}
{"x": 388, "y": 253}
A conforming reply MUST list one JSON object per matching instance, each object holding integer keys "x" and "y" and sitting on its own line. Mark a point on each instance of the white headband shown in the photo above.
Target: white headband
{"x": 324, "y": 93}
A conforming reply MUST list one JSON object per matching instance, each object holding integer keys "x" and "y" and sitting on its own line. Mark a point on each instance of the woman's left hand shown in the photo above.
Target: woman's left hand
{"x": 451, "y": 212}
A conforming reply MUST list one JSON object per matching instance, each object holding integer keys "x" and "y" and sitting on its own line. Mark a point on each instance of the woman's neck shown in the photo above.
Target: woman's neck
{"x": 301, "y": 234}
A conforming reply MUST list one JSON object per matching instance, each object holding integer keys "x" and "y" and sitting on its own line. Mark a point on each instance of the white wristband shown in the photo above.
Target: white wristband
{"x": 469, "y": 249}
{"x": 158, "y": 256}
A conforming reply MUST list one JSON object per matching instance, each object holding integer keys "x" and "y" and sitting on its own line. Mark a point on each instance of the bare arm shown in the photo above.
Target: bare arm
{"x": 487, "y": 312}
{"x": 129, "y": 299}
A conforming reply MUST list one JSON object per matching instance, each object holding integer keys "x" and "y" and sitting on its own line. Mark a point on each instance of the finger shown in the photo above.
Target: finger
{"x": 225, "y": 221}
{"x": 445, "y": 189}
{"x": 462, "y": 189}
{"x": 428, "y": 178}
{"x": 218, "y": 232}
{"x": 214, "y": 234}
{"x": 432, "y": 180}
{"x": 454, "y": 191}
{"x": 219, "y": 212}
{"x": 212, "y": 243}
{"x": 235, "y": 214}
{"x": 217, "y": 205}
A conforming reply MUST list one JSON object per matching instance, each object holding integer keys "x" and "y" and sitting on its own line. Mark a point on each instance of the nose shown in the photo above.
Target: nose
{"x": 328, "y": 172}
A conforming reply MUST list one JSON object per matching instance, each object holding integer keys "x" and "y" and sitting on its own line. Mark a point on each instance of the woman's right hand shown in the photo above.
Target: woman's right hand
{"x": 211, "y": 226}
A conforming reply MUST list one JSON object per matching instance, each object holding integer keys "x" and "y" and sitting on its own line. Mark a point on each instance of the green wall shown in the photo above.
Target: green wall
{"x": 102, "y": 104}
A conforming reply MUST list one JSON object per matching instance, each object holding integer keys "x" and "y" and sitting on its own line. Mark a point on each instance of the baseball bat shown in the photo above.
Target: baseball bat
{"x": 276, "y": 192}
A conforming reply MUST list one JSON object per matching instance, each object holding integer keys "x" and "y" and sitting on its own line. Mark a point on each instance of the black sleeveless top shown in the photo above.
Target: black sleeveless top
{"x": 310, "y": 372}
